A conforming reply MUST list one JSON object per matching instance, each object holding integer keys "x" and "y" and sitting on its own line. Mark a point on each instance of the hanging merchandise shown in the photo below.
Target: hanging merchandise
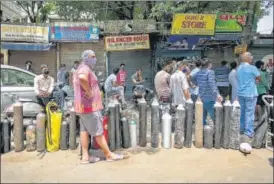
{"x": 226, "y": 125}
{"x": 143, "y": 123}
{"x": 155, "y": 123}
{"x": 166, "y": 130}
{"x": 234, "y": 133}
{"x": 118, "y": 139}
{"x": 179, "y": 127}
{"x": 41, "y": 132}
{"x": 125, "y": 133}
{"x": 64, "y": 142}
{"x": 31, "y": 138}
{"x": 111, "y": 125}
{"x": 18, "y": 128}
{"x": 218, "y": 124}
{"x": 189, "y": 122}
{"x": 54, "y": 119}
{"x": 208, "y": 136}
{"x": 198, "y": 123}
{"x": 72, "y": 129}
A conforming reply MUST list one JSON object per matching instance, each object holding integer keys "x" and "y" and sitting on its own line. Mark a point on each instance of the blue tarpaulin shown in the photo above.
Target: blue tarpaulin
{"x": 26, "y": 46}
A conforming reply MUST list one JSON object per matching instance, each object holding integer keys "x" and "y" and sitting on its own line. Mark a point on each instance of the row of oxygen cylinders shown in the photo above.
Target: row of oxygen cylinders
{"x": 63, "y": 133}
{"x": 224, "y": 132}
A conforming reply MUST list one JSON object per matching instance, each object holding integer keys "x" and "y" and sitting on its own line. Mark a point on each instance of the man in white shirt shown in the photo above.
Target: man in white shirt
{"x": 179, "y": 86}
{"x": 43, "y": 86}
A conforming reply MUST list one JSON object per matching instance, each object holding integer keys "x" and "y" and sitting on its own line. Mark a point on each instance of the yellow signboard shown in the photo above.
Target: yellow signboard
{"x": 193, "y": 24}
{"x": 132, "y": 42}
{"x": 24, "y": 33}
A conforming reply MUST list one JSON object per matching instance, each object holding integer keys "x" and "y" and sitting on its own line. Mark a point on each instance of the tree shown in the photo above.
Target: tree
{"x": 37, "y": 11}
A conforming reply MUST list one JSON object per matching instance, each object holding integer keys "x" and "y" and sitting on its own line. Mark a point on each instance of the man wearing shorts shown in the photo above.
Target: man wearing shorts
{"x": 88, "y": 105}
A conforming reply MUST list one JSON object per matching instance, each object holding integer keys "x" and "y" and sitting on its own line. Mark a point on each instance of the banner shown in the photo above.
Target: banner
{"x": 132, "y": 42}
{"x": 230, "y": 23}
{"x": 193, "y": 24}
{"x": 24, "y": 33}
{"x": 75, "y": 34}
{"x": 181, "y": 42}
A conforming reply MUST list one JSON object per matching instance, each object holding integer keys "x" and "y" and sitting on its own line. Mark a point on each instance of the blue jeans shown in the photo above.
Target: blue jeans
{"x": 208, "y": 107}
{"x": 248, "y": 105}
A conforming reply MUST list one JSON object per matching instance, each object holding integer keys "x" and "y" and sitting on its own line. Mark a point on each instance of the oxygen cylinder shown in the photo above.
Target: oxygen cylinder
{"x": 166, "y": 129}
{"x": 189, "y": 121}
{"x": 208, "y": 136}
{"x": 133, "y": 133}
{"x": 219, "y": 118}
{"x": 72, "y": 129}
{"x": 179, "y": 127}
{"x": 31, "y": 138}
{"x": 234, "y": 133}
{"x": 6, "y": 132}
{"x": 111, "y": 126}
{"x": 142, "y": 123}
{"x": 18, "y": 128}
{"x": 64, "y": 142}
{"x": 118, "y": 139}
{"x": 226, "y": 125}
{"x": 41, "y": 132}
{"x": 198, "y": 124}
{"x": 125, "y": 133}
{"x": 155, "y": 124}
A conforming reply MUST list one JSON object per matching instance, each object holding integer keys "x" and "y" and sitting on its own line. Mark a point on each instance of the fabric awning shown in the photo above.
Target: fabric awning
{"x": 26, "y": 46}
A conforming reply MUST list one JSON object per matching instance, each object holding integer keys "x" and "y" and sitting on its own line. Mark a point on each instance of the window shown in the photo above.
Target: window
{"x": 15, "y": 78}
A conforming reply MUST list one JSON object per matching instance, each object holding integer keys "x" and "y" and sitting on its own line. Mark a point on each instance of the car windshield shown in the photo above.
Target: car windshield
{"x": 16, "y": 78}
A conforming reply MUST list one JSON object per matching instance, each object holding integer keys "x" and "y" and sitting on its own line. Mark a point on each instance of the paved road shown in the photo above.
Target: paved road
{"x": 144, "y": 165}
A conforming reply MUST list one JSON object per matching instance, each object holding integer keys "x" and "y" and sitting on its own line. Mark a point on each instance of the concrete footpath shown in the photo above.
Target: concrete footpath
{"x": 144, "y": 165}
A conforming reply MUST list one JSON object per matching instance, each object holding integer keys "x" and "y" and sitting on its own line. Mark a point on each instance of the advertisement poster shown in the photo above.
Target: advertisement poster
{"x": 132, "y": 42}
{"x": 75, "y": 34}
{"x": 230, "y": 23}
{"x": 193, "y": 24}
{"x": 24, "y": 33}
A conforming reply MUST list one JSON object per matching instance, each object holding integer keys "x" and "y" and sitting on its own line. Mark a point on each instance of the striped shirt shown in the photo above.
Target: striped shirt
{"x": 205, "y": 80}
{"x": 222, "y": 76}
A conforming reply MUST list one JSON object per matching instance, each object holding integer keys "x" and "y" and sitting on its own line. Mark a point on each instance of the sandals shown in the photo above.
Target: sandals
{"x": 116, "y": 157}
{"x": 91, "y": 160}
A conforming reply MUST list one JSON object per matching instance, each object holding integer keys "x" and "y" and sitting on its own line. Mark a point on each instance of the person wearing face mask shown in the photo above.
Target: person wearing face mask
{"x": 88, "y": 105}
{"x": 247, "y": 93}
{"x": 28, "y": 66}
{"x": 43, "y": 86}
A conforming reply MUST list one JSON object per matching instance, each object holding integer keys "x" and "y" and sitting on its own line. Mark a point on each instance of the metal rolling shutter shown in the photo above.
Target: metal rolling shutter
{"x": 18, "y": 59}
{"x": 71, "y": 52}
{"x": 132, "y": 60}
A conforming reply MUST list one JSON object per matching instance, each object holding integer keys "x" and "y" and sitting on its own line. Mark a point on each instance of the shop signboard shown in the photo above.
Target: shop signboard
{"x": 131, "y": 42}
{"x": 228, "y": 23}
{"x": 79, "y": 33}
{"x": 193, "y": 24}
{"x": 23, "y": 33}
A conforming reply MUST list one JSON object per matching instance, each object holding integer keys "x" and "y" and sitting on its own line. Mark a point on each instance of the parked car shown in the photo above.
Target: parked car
{"x": 16, "y": 82}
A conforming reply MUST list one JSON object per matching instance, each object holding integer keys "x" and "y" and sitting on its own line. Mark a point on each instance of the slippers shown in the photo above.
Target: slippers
{"x": 91, "y": 160}
{"x": 116, "y": 157}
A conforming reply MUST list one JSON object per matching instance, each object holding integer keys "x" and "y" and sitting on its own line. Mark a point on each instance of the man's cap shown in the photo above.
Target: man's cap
{"x": 86, "y": 53}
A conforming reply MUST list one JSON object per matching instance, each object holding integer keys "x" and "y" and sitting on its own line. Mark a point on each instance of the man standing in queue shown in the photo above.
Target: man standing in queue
{"x": 88, "y": 105}
{"x": 122, "y": 76}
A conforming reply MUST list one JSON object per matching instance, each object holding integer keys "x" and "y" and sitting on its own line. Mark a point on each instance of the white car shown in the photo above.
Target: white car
{"x": 16, "y": 82}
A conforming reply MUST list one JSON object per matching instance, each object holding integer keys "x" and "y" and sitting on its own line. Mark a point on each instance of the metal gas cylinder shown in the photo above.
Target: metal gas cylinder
{"x": 198, "y": 123}
{"x": 155, "y": 123}
{"x": 133, "y": 133}
{"x": 189, "y": 124}
{"x": 118, "y": 138}
{"x": 234, "y": 133}
{"x": 6, "y": 135}
{"x": 111, "y": 125}
{"x": 18, "y": 128}
{"x": 72, "y": 129}
{"x": 125, "y": 133}
{"x": 226, "y": 125}
{"x": 208, "y": 137}
{"x": 31, "y": 138}
{"x": 41, "y": 132}
{"x": 142, "y": 123}
{"x": 166, "y": 130}
{"x": 179, "y": 127}
{"x": 219, "y": 119}
{"x": 64, "y": 142}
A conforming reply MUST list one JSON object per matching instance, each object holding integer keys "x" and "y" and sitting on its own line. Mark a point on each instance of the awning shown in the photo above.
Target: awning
{"x": 26, "y": 46}
{"x": 177, "y": 53}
